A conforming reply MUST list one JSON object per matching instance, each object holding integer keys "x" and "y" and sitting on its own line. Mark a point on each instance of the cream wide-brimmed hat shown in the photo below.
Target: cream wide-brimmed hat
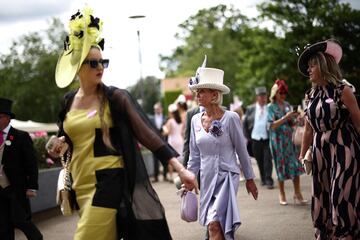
{"x": 330, "y": 46}
{"x": 279, "y": 85}
{"x": 210, "y": 78}
{"x": 84, "y": 32}
{"x": 172, "y": 108}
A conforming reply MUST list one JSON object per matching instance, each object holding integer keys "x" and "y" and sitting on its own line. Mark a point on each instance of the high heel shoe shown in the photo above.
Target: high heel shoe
{"x": 282, "y": 200}
{"x": 298, "y": 199}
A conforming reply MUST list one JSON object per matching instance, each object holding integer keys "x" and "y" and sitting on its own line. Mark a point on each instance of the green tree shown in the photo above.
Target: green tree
{"x": 213, "y": 32}
{"x": 251, "y": 55}
{"x": 299, "y": 22}
{"x": 247, "y": 53}
{"x": 150, "y": 89}
{"x": 27, "y": 74}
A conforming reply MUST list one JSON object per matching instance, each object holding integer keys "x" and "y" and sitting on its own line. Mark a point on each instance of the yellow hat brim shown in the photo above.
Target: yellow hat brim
{"x": 69, "y": 64}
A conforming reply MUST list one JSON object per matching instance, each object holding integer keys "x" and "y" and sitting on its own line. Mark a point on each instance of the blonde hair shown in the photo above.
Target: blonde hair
{"x": 104, "y": 127}
{"x": 329, "y": 69}
{"x": 240, "y": 112}
{"x": 219, "y": 98}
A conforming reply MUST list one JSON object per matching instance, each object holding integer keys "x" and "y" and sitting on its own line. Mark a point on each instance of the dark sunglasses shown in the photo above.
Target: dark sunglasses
{"x": 94, "y": 63}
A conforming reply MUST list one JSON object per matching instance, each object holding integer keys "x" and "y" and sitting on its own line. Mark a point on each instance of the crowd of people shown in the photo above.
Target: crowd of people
{"x": 207, "y": 146}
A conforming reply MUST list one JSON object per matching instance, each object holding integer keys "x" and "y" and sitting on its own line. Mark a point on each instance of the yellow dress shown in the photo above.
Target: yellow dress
{"x": 95, "y": 222}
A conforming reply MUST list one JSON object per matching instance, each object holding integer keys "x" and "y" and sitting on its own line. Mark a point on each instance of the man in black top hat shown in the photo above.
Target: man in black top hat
{"x": 255, "y": 131}
{"x": 18, "y": 177}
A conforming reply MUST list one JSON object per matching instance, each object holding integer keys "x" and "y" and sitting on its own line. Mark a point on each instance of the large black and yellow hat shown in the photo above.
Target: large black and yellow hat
{"x": 84, "y": 32}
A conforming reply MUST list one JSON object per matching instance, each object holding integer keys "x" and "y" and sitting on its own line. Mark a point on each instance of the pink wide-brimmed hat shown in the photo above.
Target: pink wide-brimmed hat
{"x": 330, "y": 46}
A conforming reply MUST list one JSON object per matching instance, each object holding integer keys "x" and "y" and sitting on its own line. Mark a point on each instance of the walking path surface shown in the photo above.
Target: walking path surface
{"x": 264, "y": 219}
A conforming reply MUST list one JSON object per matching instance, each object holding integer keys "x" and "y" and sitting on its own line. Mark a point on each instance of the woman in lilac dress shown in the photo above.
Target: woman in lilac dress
{"x": 332, "y": 127}
{"x": 216, "y": 139}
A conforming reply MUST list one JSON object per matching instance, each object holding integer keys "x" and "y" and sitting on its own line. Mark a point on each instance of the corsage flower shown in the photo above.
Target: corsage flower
{"x": 8, "y": 142}
{"x": 216, "y": 128}
{"x": 194, "y": 80}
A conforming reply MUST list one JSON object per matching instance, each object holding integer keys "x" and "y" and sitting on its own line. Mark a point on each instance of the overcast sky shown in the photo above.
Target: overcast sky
{"x": 157, "y": 29}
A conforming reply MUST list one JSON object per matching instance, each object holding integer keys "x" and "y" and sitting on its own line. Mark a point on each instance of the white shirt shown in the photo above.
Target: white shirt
{"x": 6, "y": 131}
{"x": 158, "y": 120}
{"x": 259, "y": 131}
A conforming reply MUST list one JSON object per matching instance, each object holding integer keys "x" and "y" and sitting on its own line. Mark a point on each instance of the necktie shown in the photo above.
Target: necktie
{"x": 1, "y": 138}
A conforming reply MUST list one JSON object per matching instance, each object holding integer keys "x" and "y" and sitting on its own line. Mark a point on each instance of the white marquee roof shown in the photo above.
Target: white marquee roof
{"x": 30, "y": 126}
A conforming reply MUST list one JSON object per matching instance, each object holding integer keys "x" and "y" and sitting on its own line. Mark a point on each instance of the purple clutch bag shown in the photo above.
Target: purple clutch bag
{"x": 189, "y": 206}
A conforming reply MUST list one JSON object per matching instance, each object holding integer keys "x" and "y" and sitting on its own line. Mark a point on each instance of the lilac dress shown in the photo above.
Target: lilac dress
{"x": 216, "y": 158}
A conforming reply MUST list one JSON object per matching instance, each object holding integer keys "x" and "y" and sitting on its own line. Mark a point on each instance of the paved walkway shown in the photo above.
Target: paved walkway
{"x": 264, "y": 219}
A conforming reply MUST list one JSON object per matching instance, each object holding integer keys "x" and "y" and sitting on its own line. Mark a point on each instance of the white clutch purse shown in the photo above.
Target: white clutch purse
{"x": 307, "y": 161}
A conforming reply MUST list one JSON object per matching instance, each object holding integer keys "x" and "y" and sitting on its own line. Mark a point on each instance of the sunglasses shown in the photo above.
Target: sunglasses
{"x": 95, "y": 63}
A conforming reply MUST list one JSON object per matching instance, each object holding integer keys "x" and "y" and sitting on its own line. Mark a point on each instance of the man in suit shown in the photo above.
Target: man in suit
{"x": 159, "y": 120}
{"x": 256, "y": 132}
{"x": 18, "y": 178}
{"x": 189, "y": 114}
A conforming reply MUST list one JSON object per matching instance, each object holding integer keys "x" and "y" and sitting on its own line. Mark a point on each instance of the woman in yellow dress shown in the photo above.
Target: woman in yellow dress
{"x": 103, "y": 125}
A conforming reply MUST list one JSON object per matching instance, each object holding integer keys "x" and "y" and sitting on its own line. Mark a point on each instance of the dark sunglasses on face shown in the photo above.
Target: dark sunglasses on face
{"x": 94, "y": 63}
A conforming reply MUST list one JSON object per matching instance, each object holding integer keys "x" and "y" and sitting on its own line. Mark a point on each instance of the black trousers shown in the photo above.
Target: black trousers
{"x": 156, "y": 168}
{"x": 13, "y": 214}
{"x": 262, "y": 154}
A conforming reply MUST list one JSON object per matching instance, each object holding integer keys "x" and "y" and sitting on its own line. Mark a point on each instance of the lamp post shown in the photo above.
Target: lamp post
{"x": 140, "y": 58}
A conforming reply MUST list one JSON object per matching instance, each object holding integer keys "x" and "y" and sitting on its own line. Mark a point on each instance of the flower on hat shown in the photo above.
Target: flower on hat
{"x": 194, "y": 80}
{"x": 216, "y": 128}
{"x": 79, "y": 23}
{"x": 282, "y": 87}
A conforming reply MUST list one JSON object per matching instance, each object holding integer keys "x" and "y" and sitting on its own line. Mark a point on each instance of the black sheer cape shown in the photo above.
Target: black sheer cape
{"x": 140, "y": 213}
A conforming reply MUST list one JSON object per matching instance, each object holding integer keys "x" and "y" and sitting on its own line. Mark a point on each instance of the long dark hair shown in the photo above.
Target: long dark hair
{"x": 104, "y": 127}
{"x": 176, "y": 115}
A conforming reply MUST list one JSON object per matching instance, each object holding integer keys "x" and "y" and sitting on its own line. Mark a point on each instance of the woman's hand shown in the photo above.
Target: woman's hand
{"x": 290, "y": 115}
{"x": 56, "y": 146}
{"x": 187, "y": 178}
{"x": 251, "y": 188}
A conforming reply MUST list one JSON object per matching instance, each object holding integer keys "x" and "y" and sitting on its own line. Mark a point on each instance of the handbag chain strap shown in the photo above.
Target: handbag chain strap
{"x": 65, "y": 164}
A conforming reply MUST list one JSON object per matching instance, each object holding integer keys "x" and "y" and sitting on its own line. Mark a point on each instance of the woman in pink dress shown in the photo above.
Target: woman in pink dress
{"x": 173, "y": 130}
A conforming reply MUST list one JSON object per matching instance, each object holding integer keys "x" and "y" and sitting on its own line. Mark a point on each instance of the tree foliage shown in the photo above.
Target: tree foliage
{"x": 301, "y": 22}
{"x": 251, "y": 55}
{"x": 213, "y": 32}
{"x": 149, "y": 88}
{"x": 27, "y": 74}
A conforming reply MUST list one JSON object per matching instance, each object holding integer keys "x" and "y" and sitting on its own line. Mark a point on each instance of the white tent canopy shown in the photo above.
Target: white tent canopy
{"x": 30, "y": 126}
